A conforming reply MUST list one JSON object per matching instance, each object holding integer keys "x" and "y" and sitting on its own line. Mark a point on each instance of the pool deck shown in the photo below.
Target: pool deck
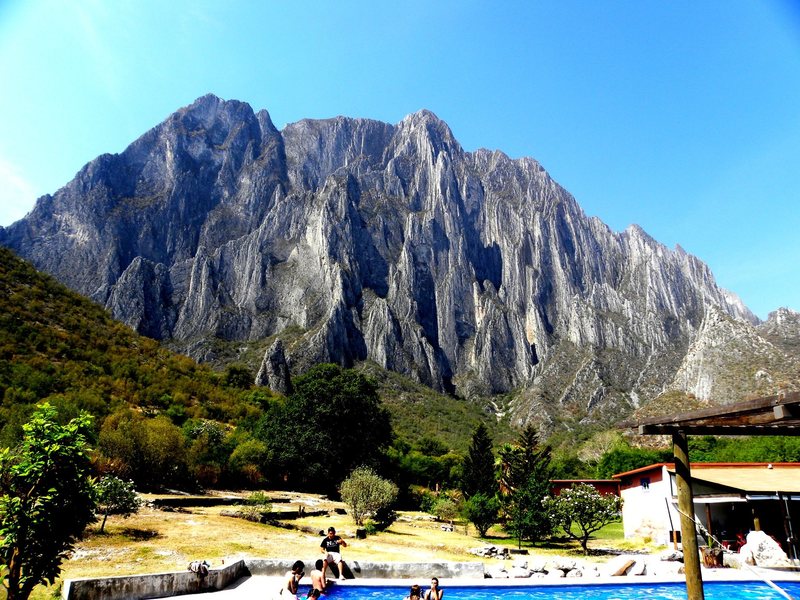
{"x": 266, "y": 587}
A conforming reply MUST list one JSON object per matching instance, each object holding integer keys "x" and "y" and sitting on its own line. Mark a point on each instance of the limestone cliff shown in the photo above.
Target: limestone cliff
{"x": 351, "y": 239}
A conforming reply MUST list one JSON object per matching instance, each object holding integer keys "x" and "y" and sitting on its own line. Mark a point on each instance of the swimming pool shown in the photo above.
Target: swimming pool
{"x": 740, "y": 590}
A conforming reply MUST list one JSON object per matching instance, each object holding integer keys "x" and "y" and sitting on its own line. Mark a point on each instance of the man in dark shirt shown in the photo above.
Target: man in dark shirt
{"x": 330, "y": 547}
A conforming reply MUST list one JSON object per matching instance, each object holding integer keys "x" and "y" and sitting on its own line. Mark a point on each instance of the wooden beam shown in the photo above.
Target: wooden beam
{"x": 691, "y": 550}
{"x": 778, "y": 428}
{"x": 784, "y": 412}
{"x": 781, "y": 410}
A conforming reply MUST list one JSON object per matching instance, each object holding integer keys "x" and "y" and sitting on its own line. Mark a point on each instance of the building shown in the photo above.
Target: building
{"x": 730, "y": 499}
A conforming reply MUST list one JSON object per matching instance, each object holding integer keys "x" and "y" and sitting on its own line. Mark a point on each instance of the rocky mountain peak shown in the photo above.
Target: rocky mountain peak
{"x": 350, "y": 239}
{"x": 429, "y": 133}
{"x": 782, "y": 328}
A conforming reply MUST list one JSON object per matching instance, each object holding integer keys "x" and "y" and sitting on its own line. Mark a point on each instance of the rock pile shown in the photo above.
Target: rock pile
{"x": 559, "y": 566}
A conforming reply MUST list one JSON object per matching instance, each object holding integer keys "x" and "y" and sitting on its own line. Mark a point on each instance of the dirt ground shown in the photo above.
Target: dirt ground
{"x": 158, "y": 540}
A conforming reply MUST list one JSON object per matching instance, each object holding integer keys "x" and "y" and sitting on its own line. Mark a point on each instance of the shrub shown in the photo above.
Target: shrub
{"x": 366, "y": 493}
{"x": 481, "y": 510}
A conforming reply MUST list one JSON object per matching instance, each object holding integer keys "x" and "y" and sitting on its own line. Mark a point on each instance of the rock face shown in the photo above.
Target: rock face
{"x": 729, "y": 356}
{"x": 352, "y": 240}
{"x": 274, "y": 371}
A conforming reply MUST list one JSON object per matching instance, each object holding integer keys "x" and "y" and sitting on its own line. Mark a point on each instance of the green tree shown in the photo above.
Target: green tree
{"x": 525, "y": 481}
{"x": 446, "y": 509}
{"x": 478, "y": 475}
{"x": 626, "y": 458}
{"x": 581, "y": 510}
{"x": 116, "y": 496}
{"x": 366, "y": 493}
{"x": 47, "y": 500}
{"x": 207, "y": 450}
{"x": 247, "y": 462}
{"x": 238, "y": 376}
{"x": 151, "y": 452}
{"x": 333, "y": 422}
{"x": 482, "y": 511}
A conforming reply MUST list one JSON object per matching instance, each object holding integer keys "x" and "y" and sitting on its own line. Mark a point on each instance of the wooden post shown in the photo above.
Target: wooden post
{"x": 691, "y": 551}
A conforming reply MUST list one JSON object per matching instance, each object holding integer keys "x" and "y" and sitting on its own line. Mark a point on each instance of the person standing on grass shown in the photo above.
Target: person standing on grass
{"x": 434, "y": 593}
{"x": 330, "y": 548}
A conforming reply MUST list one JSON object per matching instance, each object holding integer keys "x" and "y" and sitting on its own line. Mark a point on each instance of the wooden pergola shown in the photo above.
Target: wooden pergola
{"x": 771, "y": 415}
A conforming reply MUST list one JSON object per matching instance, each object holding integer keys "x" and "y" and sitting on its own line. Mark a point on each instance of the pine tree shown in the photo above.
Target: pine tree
{"x": 525, "y": 481}
{"x": 479, "y": 476}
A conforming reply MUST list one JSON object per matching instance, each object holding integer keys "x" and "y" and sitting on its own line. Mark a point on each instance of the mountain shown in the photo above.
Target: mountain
{"x": 353, "y": 240}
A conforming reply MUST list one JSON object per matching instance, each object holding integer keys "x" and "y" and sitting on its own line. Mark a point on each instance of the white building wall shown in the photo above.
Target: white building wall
{"x": 646, "y": 510}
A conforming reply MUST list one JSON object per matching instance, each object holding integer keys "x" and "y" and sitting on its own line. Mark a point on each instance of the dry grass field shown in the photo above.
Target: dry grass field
{"x": 157, "y": 540}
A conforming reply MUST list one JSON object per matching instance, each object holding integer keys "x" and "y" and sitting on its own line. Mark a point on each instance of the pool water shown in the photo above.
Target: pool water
{"x": 739, "y": 590}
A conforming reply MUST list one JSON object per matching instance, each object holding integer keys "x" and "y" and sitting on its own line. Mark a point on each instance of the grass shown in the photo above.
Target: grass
{"x": 156, "y": 540}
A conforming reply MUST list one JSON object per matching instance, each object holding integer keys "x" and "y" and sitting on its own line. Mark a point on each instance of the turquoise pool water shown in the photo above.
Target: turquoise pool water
{"x": 740, "y": 590}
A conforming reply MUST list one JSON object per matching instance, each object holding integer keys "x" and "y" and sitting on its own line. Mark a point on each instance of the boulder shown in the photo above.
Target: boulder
{"x": 620, "y": 565}
{"x": 519, "y": 572}
{"x": 763, "y": 551}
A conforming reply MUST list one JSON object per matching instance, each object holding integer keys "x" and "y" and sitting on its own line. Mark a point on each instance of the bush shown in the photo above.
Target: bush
{"x": 481, "y": 510}
{"x": 256, "y": 506}
{"x": 367, "y": 494}
{"x": 446, "y": 509}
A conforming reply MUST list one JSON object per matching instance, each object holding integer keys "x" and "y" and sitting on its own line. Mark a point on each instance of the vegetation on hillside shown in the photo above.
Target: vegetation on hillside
{"x": 162, "y": 420}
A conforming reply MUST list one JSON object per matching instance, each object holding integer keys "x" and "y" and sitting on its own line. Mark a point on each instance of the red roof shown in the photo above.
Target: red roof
{"x": 702, "y": 465}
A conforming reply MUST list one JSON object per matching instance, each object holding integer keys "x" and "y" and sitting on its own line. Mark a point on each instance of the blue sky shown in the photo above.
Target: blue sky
{"x": 680, "y": 116}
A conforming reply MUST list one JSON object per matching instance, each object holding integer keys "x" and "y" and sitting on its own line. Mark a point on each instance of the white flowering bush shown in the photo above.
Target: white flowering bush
{"x": 581, "y": 510}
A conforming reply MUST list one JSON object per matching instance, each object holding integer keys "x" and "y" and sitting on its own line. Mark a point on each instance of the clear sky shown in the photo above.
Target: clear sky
{"x": 682, "y": 116}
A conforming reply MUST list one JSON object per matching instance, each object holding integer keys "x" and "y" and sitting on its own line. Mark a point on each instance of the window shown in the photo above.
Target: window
{"x": 645, "y": 483}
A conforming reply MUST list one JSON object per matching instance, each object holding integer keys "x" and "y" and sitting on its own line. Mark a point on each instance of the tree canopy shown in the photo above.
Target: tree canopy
{"x": 331, "y": 423}
{"x": 47, "y": 501}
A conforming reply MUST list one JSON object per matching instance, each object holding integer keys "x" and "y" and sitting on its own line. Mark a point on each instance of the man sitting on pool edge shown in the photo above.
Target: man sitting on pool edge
{"x": 330, "y": 547}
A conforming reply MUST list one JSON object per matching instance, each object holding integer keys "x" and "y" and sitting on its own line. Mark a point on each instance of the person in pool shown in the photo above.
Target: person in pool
{"x": 434, "y": 593}
{"x": 318, "y": 581}
{"x": 415, "y": 593}
{"x": 292, "y": 582}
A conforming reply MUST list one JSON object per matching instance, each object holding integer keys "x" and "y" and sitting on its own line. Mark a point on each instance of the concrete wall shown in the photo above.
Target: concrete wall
{"x": 359, "y": 569}
{"x": 161, "y": 585}
{"x": 157, "y": 585}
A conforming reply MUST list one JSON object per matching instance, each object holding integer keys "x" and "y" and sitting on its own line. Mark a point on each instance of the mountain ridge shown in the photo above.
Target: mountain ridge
{"x": 356, "y": 240}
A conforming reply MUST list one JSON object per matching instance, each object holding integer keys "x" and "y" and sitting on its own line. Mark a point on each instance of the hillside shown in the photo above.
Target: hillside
{"x": 59, "y": 346}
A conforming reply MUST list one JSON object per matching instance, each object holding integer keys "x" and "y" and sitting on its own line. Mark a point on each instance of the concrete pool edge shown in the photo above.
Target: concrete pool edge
{"x": 179, "y": 583}
{"x": 266, "y": 574}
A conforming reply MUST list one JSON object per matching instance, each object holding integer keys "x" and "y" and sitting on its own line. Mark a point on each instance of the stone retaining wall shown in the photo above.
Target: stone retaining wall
{"x": 156, "y": 585}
